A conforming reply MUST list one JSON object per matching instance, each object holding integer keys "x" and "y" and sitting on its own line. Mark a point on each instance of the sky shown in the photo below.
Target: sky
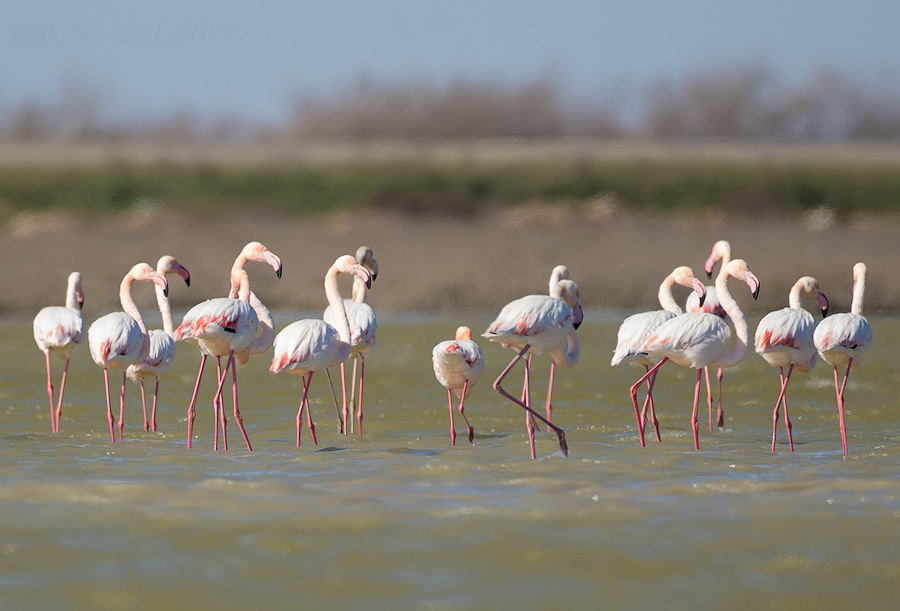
{"x": 223, "y": 57}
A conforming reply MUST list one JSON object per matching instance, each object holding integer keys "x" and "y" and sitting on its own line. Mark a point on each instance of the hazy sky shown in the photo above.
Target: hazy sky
{"x": 219, "y": 56}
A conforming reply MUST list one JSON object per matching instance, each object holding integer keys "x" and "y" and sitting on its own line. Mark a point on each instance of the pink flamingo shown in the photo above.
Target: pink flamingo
{"x": 162, "y": 346}
{"x": 635, "y": 329}
{"x": 537, "y": 324}
{"x": 721, "y": 251}
{"x": 560, "y": 272}
{"x": 842, "y": 339}
{"x": 699, "y": 340}
{"x": 310, "y": 345}
{"x": 785, "y": 339}
{"x": 60, "y": 330}
{"x": 458, "y": 364}
{"x": 227, "y": 326}
{"x": 120, "y": 339}
{"x": 363, "y": 327}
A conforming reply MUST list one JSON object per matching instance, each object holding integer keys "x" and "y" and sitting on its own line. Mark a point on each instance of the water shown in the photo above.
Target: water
{"x": 398, "y": 519}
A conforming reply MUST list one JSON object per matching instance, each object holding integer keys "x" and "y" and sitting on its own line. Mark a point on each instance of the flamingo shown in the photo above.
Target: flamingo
{"x": 228, "y": 326}
{"x": 842, "y": 339}
{"x": 363, "y": 327}
{"x": 310, "y": 345}
{"x": 536, "y": 324}
{"x": 60, "y": 330}
{"x": 699, "y": 340}
{"x": 560, "y": 272}
{"x": 162, "y": 346}
{"x": 637, "y": 327}
{"x": 458, "y": 364}
{"x": 721, "y": 251}
{"x": 120, "y": 339}
{"x": 785, "y": 339}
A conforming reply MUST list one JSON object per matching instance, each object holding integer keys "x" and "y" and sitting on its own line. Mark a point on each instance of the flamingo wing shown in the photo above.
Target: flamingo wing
{"x": 305, "y": 345}
{"x": 539, "y": 320}
{"x": 115, "y": 340}
{"x": 457, "y": 361}
{"x": 842, "y": 336}
{"x": 693, "y": 339}
{"x": 633, "y": 332}
{"x": 58, "y": 328}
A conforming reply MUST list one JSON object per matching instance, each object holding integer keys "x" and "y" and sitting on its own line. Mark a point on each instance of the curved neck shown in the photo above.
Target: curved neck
{"x": 129, "y": 307}
{"x": 266, "y": 323}
{"x": 165, "y": 308}
{"x": 742, "y": 330}
{"x": 358, "y": 293}
{"x": 72, "y": 296}
{"x": 859, "y": 291}
{"x": 666, "y": 300}
{"x": 794, "y": 296}
{"x": 567, "y": 354}
{"x": 333, "y": 294}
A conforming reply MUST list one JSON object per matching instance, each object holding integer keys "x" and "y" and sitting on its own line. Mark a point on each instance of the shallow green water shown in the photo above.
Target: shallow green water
{"x": 400, "y": 520}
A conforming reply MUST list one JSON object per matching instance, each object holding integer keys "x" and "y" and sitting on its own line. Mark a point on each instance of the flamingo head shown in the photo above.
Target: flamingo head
{"x": 254, "y": 251}
{"x": 738, "y": 269}
{"x": 567, "y": 292}
{"x": 721, "y": 251}
{"x": 463, "y": 332}
{"x": 810, "y": 286}
{"x": 142, "y": 272}
{"x": 347, "y": 264}
{"x": 76, "y": 282}
{"x": 366, "y": 258}
{"x": 684, "y": 276}
{"x": 168, "y": 265}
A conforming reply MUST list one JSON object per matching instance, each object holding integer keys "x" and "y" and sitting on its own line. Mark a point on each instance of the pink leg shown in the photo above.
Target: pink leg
{"x": 122, "y": 407}
{"x": 650, "y": 383}
{"x": 345, "y": 411}
{"x": 62, "y": 390}
{"x": 695, "y": 423}
{"x": 462, "y": 401}
{"x": 353, "y": 387}
{"x": 144, "y": 406}
{"x": 362, "y": 372}
{"x": 109, "y": 414}
{"x": 840, "y": 400}
{"x": 309, "y": 422}
{"x": 305, "y": 381}
{"x": 341, "y": 428}
{"x": 549, "y": 406}
{"x": 781, "y": 401}
{"x": 153, "y": 413}
{"x": 529, "y": 419}
{"x": 720, "y": 415}
{"x": 633, "y": 392}
{"x": 560, "y": 434}
{"x": 53, "y": 425}
{"x": 708, "y": 397}
{"x": 452, "y": 428}
{"x": 237, "y": 412}
{"x": 192, "y": 407}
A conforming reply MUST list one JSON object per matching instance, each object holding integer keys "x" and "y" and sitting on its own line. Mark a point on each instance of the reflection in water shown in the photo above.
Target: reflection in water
{"x": 399, "y": 519}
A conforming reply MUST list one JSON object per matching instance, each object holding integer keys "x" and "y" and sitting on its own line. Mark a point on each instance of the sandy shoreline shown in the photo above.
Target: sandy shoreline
{"x": 445, "y": 264}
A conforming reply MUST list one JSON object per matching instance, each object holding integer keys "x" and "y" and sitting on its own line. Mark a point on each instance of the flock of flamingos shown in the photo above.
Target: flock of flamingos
{"x": 239, "y": 325}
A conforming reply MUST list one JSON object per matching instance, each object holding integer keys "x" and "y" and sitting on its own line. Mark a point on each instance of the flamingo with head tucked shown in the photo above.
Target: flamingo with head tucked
{"x": 162, "y": 346}
{"x": 842, "y": 339}
{"x": 363, "y": 327}
{"x": 60, "y": 330}
{"x": 458, "y": 364}
{"x": 784, "y": 338}
{"x": 699, "y": 340}
{"x": 227, "y": 326}
{"x": 635, "y": 329}
{"x": 310, "y": 345}
{"x": 721, "y": 251}
{"x": 537, "y": 324}
{"x": 120, "y": 339}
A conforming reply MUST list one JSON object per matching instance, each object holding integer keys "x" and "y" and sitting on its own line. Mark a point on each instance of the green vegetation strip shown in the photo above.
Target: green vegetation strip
{"x": 453, "y": 188}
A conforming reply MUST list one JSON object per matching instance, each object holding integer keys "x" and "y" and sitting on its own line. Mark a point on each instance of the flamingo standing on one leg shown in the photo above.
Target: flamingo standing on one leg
{"x": 458, "y": 364}
{"x": 635, "y": 329}
{"x": 698, "y": 340}
{"x": 120, "y": 339}
{"x": 560, "y": 272}
{"x": 310, "y": 345}
{"x": 842, "y": 339}
{"x": 785, "y": 339}
{"x": 536, "y": 324}
{"x": 162, "y": 346}
{"x": 227, "y": 326}
{"x": 60, "y": 330}
{"x": 363, "y": 327}
{"x": 721, "y": 251}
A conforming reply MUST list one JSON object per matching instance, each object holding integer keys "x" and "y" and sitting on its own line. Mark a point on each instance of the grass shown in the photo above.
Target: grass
{"x": 455, "y": 188}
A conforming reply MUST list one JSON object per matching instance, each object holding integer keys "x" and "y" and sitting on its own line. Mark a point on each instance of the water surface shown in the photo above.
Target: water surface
{"x": 398, "y": 519}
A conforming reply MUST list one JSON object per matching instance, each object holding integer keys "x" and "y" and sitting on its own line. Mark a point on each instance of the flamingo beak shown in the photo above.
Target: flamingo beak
{"x": 823, "y": 303}
{"x": 374, "y": 270}
{"x": 363, "y": 273}
{"x": 699, "y": 289}
{"x": 577, "y": 316}
{"x": 709, "y": 265}
{"x": 160, "y": 280}
{"x": 753, "y": 282}
{"x": 184, "y": 273}
{"x": 79, "y": 296}
{"x": 273, "y": 260}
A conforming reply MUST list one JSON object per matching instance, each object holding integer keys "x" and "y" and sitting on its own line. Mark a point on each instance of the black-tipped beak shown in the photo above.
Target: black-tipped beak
{"x": 824, "y": 311}
{"x": 756, "y": 292}
{"x": 702, "y": 299}
{"x": 278, "y": 272}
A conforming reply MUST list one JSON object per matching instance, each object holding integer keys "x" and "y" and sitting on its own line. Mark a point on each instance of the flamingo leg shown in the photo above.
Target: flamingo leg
{"x": 462, "y": 401}
{"x": 529, "y": 419}
{"x": 62, "y": 389}
{"x": 50, "y": 392}
{"x": 560, "y": 434}
{"x": 362, "y": 371}
{"x": 840, "y": 400}
{"x": 650, "y": 384}
{"x": 122, "y": 408}
{"x": 144, "y": 406}
{"x": 549, "y": 406}
{"x": 695, "y": 424}
{"x": 109, "y": 414}
{"x": 452, "y": 428}
{"x": 237, "y": 412}
{"x": 304, "y": 401}
{"x": 216, "y": 404}
{"x": 309, "y": 422}
{"x": 192, "y": 407}
{"x": 345, "y": 412}
{"x": 153, "y": 413}
{"x": 353, "y": 387}
{"x": 781, "y": 401}
{"x": 643, "y": 416}
{"x": 337, "y": 407}
{"x": 709, "y": 401}
{"x": 633, "y": 392}
{"x": 720, "y": 414}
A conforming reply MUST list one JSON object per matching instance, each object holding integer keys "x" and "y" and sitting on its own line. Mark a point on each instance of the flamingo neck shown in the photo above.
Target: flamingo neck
{"x": 129, "y": 307}
{"x": 859, "y": 291}
{"x": 567, "y": 354}
{"x": 72, "y": 296}
{"x": 734, "y": 356}
{"x": 359, "y": 291}
{"x": 666, "y": 299}
{"x": 794, "y": 296}
{"x": 333, "y": 294}
{"x": 266, "y": 323}
{"x": 165, "y": 308}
